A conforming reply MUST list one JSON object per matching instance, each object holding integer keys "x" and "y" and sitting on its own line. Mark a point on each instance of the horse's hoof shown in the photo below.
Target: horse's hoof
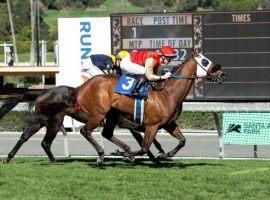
{"x": 129, "y": 158}
{"x": 162, "y": 156}
{"x": 52, "y": 160}
{"x": 116, "y": 153}
{"x": 100, "y": 161}
{"x": 5, "y": 161}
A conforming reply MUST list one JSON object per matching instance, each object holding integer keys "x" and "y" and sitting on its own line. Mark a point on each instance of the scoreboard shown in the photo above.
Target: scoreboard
{"x": 239, "y": 41}
{"x": 152, "y": 31}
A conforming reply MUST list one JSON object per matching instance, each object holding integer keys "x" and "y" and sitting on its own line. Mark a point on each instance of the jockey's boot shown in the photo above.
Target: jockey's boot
{"x": 136, "y": 90}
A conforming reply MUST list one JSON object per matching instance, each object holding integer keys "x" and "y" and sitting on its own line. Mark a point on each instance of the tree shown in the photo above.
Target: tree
{"x": 263, "y": 4}
{"x": 234, "y": 5}
{"x": 185, "y": 5}
{"x": 4, "y": 23}
{"x": 13, "y": 33}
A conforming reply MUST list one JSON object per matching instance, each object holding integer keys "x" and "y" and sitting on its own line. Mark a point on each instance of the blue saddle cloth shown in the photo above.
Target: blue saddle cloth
{"x": 126, "y": 84}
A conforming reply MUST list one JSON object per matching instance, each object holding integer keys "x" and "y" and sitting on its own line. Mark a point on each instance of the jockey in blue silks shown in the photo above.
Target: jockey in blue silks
{"x": 103, "y": 64}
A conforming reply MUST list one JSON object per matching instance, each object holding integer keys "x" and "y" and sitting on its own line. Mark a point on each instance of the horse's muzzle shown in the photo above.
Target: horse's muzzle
{"x": 222, "y": 76}
{"x": 215, "y": 68}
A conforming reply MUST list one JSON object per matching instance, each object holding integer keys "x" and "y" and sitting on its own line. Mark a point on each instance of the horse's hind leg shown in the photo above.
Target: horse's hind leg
{"x": 53, "y": 126}
{"x": 29, "y": 131}
{"x": 107, "y": 132}
{"x": 87, "y": 130}
{"x": 175, "y": 131}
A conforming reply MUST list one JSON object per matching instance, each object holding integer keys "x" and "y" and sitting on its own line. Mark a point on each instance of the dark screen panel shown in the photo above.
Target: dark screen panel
{"x": 237, "y": 90}
{"x": 237, "y": 30}
{"x": 237, "y": 45}
{"x": 247, "y": 75}
{"x": 239, "y": 41}
{"x": 240, "y": 59}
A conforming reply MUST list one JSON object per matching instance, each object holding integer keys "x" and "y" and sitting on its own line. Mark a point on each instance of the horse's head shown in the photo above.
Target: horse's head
{"x": 206, "y": 68}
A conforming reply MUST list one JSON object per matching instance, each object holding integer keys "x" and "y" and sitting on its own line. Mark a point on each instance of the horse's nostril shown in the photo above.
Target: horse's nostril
{"x": 224, "y": 76}
{"x": 216, "y": 68}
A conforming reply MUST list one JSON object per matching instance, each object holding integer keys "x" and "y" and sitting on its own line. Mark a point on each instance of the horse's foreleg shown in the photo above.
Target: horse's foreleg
{"x": 137, "y": 135}
{"x": 149, "y": 135}
{"x": 53, "y": 126}
{"x": 175, "y": 131}
{"x": 158, "y": 146}
{"x": 29, "y": 131}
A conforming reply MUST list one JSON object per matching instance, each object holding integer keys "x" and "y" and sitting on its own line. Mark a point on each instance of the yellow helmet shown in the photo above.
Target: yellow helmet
{"x": 122, "y": 54}
{"x": 113, "y": 58}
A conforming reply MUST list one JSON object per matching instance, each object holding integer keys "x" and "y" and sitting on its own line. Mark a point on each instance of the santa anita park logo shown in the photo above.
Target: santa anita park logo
{"x": 246, "y": 128}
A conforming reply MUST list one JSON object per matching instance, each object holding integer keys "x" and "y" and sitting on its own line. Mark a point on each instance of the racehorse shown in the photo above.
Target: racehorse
{"x": 97, "y": 98}
{"x": 50, "y": 108}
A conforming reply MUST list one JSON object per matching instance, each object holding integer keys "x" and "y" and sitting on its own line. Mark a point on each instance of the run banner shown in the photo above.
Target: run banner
{"x": 79, "y": 38}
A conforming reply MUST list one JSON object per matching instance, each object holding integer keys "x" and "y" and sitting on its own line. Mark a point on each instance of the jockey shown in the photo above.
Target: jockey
{"x": 104, "y": 64}
{"x": 119, "y": 57}
{"x": 147, "y": 63}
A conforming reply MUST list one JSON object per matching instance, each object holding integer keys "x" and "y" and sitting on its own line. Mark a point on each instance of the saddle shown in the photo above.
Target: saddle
{"x": 127, "y": 83}
{"x": 125, "y": 86}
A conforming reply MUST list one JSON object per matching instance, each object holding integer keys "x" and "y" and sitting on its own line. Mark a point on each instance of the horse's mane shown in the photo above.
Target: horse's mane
{"x": 178, "y": 67}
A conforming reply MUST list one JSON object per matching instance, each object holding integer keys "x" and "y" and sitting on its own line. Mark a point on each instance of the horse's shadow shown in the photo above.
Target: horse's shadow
{"x": 144, "y": 162}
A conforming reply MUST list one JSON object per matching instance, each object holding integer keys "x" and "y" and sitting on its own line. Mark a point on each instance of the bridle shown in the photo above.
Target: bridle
{"x": 175, "y": 69}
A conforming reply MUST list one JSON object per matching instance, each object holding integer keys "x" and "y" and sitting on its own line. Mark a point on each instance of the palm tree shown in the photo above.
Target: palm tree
{"x": 12, "y": 32}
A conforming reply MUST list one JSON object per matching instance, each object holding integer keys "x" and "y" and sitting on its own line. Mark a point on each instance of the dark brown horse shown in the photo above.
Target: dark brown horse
{"x": 51, "y": 106}
{"x": 97, "y": 98}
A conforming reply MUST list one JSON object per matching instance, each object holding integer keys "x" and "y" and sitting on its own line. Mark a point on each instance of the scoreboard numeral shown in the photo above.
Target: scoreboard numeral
{"x": 134, "y": 32}
{"x": 180, "y": 54}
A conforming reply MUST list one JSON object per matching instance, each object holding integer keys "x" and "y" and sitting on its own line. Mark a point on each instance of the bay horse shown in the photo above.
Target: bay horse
{"x": 97, "y": 98}
{"x": 51, "y": 106}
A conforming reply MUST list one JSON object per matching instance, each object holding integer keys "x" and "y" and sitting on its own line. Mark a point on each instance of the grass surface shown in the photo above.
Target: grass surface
{"x": 36, "y": 178}
{"x": 25, "y": 57}
{"x": 110, "y": 6}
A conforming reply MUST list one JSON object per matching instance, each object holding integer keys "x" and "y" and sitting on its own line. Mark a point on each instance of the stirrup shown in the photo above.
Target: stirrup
{"x": 137, "y": 94}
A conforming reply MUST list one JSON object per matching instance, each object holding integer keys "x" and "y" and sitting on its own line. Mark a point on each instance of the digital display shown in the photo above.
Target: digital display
{"x": 239, "y": 41}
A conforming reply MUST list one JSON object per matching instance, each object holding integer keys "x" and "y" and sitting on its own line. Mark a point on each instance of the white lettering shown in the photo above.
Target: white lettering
{"x": 238, "y": 18}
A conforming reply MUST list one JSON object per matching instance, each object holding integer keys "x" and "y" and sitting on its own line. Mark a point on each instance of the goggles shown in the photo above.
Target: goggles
{"x": 169, "y": 58}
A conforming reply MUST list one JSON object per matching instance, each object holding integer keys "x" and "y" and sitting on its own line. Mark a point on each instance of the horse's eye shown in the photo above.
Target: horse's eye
{"x": 205, "y": 62}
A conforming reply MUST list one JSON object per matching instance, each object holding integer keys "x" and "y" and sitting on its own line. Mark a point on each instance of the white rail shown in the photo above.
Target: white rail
{"x": 213, "y": 107}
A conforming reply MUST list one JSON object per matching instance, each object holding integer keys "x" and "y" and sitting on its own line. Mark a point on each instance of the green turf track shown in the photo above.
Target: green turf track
{"x": 80, "y": 178}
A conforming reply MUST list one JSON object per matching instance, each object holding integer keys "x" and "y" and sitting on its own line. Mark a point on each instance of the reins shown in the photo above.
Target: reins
{"x": 182, "y": 77}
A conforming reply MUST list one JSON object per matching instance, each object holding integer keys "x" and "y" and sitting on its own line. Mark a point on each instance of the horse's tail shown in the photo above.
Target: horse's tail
{"x": 12, "y": 101}
{"x": 74, "y": 94}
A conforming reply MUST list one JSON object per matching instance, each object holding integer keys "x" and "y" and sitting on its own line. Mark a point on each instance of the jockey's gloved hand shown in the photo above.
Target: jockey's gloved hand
{"x": 166, "y": 75}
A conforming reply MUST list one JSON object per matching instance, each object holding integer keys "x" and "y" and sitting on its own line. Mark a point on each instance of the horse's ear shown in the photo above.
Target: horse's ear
{"x": 195, "y": 52}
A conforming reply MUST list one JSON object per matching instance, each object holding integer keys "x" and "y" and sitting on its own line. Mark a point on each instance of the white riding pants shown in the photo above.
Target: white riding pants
{"x": 129, "y": 67}
{"x": 91, "y": 69}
